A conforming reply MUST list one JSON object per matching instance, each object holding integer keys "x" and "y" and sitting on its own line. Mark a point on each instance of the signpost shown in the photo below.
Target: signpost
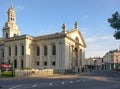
{"x": 6, "y": 70}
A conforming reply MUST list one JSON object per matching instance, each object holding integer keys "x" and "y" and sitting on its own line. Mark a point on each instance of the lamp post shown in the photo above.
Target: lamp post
{"x": 72, "y": 62}
{"x": 94, "y": 63}
{"x": 91, "y": 65}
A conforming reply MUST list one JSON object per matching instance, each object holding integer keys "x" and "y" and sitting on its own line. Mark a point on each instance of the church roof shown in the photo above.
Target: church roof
{"x": 50, "y": 36}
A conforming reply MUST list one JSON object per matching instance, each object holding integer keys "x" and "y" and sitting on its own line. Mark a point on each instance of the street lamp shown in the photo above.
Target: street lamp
{"x": 94, "y": 63}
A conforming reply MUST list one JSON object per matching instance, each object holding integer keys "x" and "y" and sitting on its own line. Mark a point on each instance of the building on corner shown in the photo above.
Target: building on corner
{"x": 111, "y": 59}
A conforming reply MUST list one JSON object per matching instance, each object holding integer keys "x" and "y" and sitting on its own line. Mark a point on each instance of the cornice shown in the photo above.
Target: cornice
{"x": 22, "y": 37}
{"x": 52, "y": 36}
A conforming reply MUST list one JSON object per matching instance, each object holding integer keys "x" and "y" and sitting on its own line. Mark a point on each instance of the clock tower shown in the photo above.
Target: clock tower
{"x": 11, "y": 28}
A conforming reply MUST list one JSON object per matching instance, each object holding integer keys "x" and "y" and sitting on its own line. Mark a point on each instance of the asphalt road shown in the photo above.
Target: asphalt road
{"x": 93, "y": 80}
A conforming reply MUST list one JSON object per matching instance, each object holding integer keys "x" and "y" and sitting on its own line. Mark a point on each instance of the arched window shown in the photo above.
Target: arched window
{"x": 38, "y": 51}
{"x": 53, "y": 49}
{"x": 45, "y": 50}
{"x": 15, "y": 35}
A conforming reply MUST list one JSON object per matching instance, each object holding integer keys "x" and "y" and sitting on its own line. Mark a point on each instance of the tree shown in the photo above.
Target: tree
{"x": 115, "y": 23}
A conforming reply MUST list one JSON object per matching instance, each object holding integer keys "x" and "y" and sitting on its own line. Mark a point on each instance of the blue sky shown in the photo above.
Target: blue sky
{"x": 37, "y": 17}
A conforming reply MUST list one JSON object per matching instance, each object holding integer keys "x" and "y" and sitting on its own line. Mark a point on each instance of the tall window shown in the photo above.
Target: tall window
{"x": 53, "y": 63}
{"x": 22, "y": 50}
{"x": 9, "y": 61}
{"x": 45, "y": 63}
{"x": 53, "y": 50}
{"x": 22, "y": 64}
{"x": 9, "y": 51}
{"x": 6, "y": 35}
{"x": 45, "y": 50}
{"x": 37, "y": 63}
{"x": 38, "y": 51}
{"x": 15, "y": 50}
{"x": 15, "y": 63}
{"x": 2, "y": 53}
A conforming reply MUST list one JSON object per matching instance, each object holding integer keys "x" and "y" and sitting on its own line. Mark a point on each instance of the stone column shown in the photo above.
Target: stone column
{"x": 41, "y": 56}
{"x": 57, "y": 56}
{"x": 49, "y": 55}
{"x": 6, "y": 54}
{"x": 12, "y": 55}
{"x": 18, "y": 56}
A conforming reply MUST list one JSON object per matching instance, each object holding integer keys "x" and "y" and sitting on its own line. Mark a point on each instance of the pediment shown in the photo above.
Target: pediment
{"x": 76, "y": 34}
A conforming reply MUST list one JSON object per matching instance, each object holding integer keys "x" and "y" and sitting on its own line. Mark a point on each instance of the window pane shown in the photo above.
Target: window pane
{"x": 9, "y": 51}
{"x": 38, "y": 51}
{"x": 45, "y": 63}
{"x": 22, "y": 49}
{"x": 45, "y": 50}
{"x": 53, "y": 50}
{"x": 15, "y": 50}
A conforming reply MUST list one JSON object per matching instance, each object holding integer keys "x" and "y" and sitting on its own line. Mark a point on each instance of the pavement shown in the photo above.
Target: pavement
{"x": 97, "y": 79}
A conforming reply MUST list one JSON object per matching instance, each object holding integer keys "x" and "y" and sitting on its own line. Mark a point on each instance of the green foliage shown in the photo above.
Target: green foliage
{"x": 117, "y": 35}
{"x": 115, "y": 23}
{"x": 7, "y": 74}
{"x": 118, "y": 65}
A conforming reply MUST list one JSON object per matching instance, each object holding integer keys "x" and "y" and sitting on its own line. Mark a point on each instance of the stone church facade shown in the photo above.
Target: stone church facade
{"x": 59, "y": 51}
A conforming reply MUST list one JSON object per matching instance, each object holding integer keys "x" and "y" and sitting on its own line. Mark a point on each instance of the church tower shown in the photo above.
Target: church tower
{"x": 11, "y": 29}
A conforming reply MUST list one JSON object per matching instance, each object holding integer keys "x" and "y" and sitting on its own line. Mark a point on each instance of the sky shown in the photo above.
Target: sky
{"x": 39, "y": 17}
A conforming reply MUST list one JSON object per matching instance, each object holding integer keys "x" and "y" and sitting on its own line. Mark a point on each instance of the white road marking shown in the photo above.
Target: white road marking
{"x": 34, "y": 85}
{"x": 15, "y": 87}
{"x": 78, "y": 80}
{"x": 50, "y": 84}
{"x": 71, "y": 81}
{"x": 63, "y": 83}
{"x": 83, "y": 80}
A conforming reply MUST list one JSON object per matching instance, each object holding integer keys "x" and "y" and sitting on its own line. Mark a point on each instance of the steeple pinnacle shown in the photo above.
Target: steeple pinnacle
{"x": 64, "y": 28}
{"x": 76, "y": 25}
{"x": 11, "y": 4}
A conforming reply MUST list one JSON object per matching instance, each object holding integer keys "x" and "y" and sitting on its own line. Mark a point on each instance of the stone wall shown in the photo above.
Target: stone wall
{"x": 33, "y": 72}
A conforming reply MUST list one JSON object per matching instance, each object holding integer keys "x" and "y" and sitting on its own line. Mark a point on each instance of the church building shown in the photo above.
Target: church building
{"x": 59, "y": 51}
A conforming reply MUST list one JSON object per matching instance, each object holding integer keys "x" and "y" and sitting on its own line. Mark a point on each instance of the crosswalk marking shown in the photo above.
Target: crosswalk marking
{"x": 50, "y": 84}
{"x": 71, "y": 81}
{"x": 63, "y": 83}
{"x": 34, "y": 85}
{"x": 15, "y": 87}
{"x": 78, "y": 80}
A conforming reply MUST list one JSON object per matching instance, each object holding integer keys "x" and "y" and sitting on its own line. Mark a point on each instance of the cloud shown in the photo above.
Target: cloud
{"x": 99, "y": 44}
{"x": 99, "y": 37}
{"x": 84, "y": 17}
{"x": 20, "y": 8}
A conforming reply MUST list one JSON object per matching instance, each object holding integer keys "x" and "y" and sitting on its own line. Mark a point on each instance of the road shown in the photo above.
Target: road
{"x": 90, "y": 80}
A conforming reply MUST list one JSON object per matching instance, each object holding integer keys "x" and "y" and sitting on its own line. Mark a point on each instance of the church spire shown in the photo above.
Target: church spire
{"x": 11, "y": 13}
{"x": 11, "y": 28}
{"x": 11, "y": 3}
